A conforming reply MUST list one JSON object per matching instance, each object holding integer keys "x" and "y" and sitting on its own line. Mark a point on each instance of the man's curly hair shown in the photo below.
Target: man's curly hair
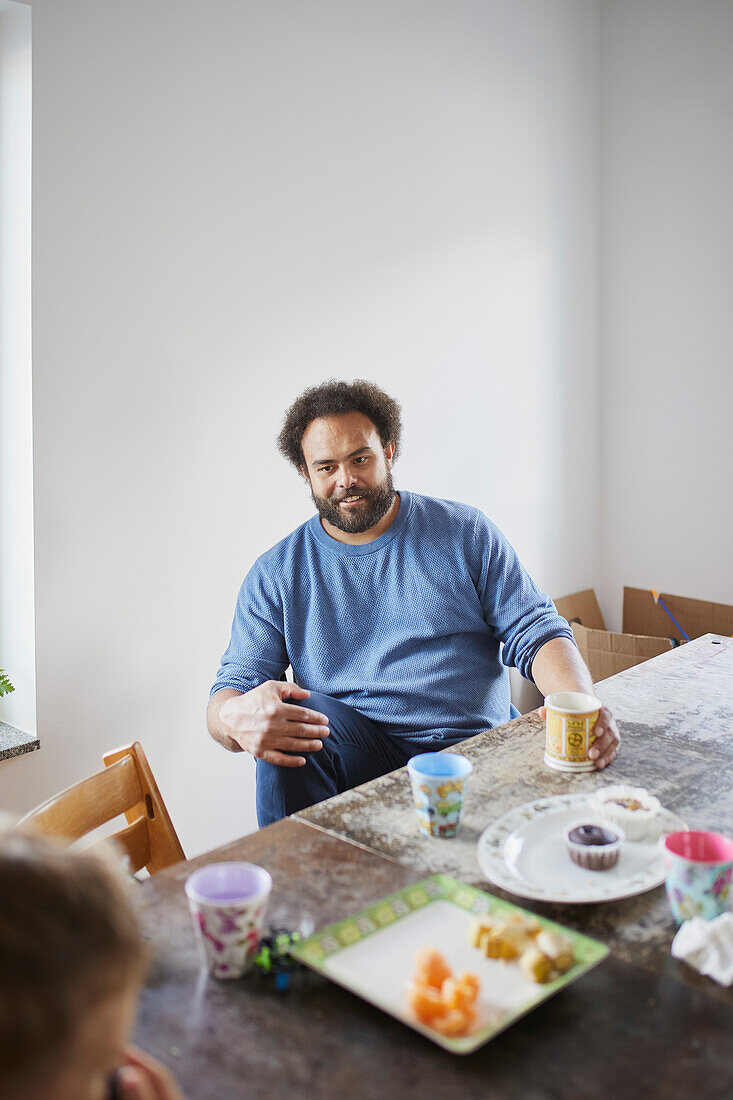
{"x": 334, "y": 398}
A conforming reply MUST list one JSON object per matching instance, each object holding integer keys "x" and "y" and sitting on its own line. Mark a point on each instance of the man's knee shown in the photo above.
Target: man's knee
{"x": 282, "y": 791}
{"x": 351, "y": 754}
{"x": 339, "y": 714}
{"x": 274, "y": 792}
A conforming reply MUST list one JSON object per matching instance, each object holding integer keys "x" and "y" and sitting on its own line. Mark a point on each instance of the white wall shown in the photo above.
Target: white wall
{"x": 667, "y": 314}
{"x": 232, "y": 201}
{"x": 17, "y": 626}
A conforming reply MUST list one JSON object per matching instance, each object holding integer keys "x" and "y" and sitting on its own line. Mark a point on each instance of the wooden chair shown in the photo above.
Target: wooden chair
{"x": 126, "y": 786}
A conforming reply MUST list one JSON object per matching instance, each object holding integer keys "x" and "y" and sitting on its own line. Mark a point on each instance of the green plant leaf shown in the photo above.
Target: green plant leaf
{"x": 5, "y": 686}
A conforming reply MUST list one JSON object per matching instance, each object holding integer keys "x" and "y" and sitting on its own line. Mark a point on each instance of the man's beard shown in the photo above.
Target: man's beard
{"x": 377, "y": 502}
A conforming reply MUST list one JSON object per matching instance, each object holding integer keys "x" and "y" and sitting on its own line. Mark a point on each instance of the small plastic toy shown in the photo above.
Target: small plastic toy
{"x": 273, "y": 957}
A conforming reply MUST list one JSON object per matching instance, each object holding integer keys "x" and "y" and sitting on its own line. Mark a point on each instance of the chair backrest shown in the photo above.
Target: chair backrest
{"x": 126, "y": 786}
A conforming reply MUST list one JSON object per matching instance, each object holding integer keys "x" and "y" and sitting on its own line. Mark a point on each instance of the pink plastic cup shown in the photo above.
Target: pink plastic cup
{"x": 699, "y": 871}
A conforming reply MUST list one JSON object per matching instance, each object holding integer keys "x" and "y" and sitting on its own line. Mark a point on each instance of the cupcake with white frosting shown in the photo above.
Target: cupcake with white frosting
{"x": 631, "y": 808}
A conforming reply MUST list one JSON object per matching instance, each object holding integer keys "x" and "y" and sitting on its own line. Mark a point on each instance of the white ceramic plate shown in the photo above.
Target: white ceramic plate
{"x": 524, "y": 853}
{"x": 372, "y": 954}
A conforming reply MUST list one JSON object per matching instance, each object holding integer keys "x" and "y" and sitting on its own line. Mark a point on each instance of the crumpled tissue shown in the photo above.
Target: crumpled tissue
{"x": 707, "y": 945}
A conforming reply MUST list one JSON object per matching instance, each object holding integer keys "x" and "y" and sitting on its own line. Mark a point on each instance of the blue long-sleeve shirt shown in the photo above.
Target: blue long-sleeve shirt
{"x": 406, "y": 628}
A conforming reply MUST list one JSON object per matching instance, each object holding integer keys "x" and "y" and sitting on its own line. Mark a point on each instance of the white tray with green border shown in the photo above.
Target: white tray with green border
{"x": 372, "y": 953}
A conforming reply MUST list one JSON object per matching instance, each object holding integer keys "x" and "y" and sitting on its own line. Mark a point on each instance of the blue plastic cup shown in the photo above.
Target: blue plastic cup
{"x": 438, "y": 785}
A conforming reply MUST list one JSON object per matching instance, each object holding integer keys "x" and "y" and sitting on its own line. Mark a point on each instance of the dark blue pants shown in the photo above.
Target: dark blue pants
{"x": 355, "y": 751}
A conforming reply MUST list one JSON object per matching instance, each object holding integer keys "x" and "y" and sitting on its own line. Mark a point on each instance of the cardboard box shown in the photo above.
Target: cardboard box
{"x": 648, "y": 629}
{"x": 642, "y": 615}
{"x": 604, "y": 651}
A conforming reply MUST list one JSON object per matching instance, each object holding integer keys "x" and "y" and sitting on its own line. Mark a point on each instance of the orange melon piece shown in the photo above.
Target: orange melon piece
{"x": 431, "y": 967}
{"x": 426, "y": 1002}
{"x": 455, "y": 1022}
{"x": 460, "y": 992}
{"x": 437, "y": 998}
{"x": 471, "y": 983}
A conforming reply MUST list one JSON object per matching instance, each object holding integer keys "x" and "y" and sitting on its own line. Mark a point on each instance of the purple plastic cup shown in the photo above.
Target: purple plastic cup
{"x": 228, "y": 902}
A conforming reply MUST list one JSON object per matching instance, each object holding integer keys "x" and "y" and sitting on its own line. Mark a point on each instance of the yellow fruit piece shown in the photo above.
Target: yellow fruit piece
{"x": 514, "y": 917}
{"x": 508, "y": 941}
{"x": 532, "y": 927}
{"x": 557, "y": 948}
{"x": 536, "y": 966}
{"x": 484, "y": 941}
{"x": 477, "y": 927}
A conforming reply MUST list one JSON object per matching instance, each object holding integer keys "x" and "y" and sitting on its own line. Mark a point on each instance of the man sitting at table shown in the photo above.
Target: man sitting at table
{"x": 390, "y": 608}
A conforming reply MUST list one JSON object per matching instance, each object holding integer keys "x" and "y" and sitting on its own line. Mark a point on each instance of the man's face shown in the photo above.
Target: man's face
{"x": 349, "y": 471}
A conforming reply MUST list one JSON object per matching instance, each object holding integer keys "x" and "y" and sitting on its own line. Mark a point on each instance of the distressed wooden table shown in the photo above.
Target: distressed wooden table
{"x": 675, "y": 714}
{"x": 641, "y": 1023}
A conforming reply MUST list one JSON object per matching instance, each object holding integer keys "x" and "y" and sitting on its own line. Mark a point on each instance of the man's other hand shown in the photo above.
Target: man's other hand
{"x": 265, "y": 724}
{"x": 604, "y": 749}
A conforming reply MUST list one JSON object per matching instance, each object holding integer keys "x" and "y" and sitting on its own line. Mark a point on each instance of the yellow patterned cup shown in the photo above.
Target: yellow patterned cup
{"x": 570, "y": 730}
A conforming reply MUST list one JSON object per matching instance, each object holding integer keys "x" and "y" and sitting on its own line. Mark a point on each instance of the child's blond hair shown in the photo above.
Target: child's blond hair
{"x": 68, "y": 939}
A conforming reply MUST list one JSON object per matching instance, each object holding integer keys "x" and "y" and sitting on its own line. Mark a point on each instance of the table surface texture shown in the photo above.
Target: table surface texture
{"x": 639, "y": 1024}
